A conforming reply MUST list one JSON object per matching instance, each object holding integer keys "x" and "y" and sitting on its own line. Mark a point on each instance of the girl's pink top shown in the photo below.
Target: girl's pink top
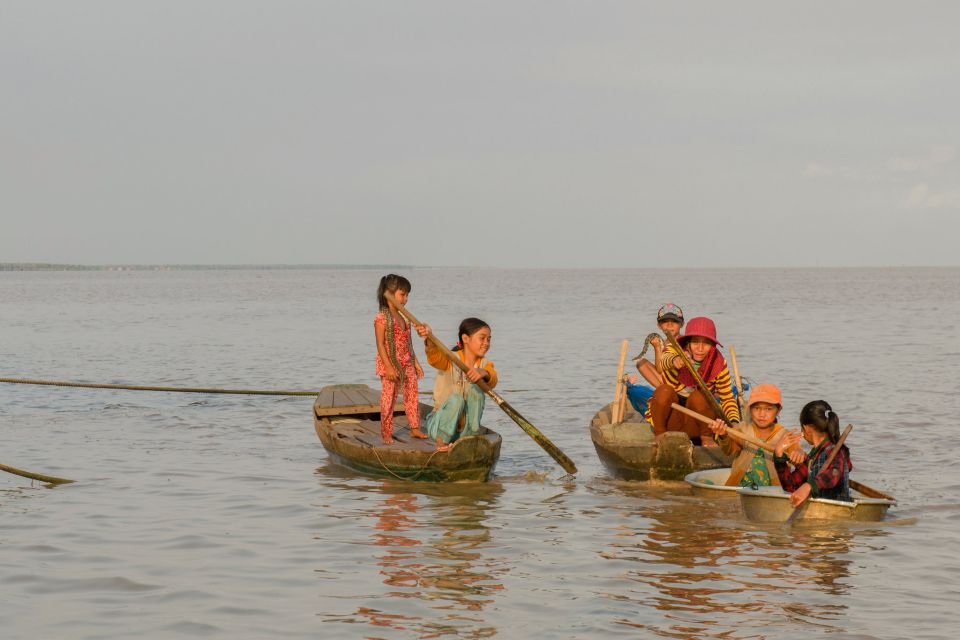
{"x": 401, "y": 337}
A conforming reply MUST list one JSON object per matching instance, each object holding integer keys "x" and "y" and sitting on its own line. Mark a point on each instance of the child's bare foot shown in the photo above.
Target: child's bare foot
{"x": 442, "y": 446}
{"x": 388, "y": 440}
{"x": 416, "y": 433}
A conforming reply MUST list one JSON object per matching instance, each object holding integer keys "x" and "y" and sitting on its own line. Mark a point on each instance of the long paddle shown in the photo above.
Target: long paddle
{"x": 826, "y": 465}
{"x": 700, "y": 383}
{"x": 868, "y": 491}
{"x": 522, "y": 422}
{"x": 741, "y": 401}
{"x": 34, "y": 476}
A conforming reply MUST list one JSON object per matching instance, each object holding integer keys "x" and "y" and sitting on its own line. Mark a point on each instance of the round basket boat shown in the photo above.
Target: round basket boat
{"x": 772, "y": 504}
{"x": 711, "y": 483}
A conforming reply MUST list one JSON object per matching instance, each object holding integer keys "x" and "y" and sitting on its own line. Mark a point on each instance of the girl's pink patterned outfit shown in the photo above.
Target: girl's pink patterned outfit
{"x": 388, "y": 394}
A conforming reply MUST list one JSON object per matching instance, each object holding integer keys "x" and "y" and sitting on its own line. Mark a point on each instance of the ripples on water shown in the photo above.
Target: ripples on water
{"x": 219, "y": 516}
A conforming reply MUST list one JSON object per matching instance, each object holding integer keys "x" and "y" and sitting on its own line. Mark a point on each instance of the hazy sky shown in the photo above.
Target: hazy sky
{"x": 515, "y": 133}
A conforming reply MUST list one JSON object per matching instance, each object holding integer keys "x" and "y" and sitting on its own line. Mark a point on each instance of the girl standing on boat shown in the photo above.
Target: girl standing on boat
{"x": 754, "y": 466}
{"x": 457, "y": 402}
{"x": 700, "y": 343}
{"x": 397, "y": 363}
{"x": 808, "y": 476}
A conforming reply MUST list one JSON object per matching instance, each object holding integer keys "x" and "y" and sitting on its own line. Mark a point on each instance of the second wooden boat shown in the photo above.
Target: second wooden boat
{"x": 347, "y": 420}
{"x": 772, "y": 504}
{"x": 630, "y": 450}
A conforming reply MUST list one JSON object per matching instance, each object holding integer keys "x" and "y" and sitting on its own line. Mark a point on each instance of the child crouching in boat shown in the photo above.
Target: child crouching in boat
{"x": 457, "y": 401}
{"x": 669, "y": 320}
{"x": 809, "y": 476}
{"x": 754, "y": 466}
{"x": 700, "y": 343}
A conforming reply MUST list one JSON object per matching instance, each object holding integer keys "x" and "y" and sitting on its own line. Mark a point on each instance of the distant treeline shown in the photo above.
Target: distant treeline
{"x": 44, "y": 266}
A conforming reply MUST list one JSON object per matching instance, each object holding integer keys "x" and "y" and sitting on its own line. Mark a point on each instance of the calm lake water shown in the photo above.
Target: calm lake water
{"x": 221, "y": 517}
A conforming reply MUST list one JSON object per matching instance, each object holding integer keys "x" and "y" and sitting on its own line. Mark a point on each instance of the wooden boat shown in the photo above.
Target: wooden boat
{"x": 347, "y": 420}
{"x": 772, "y": 504}
{"x": 711, "y": 483}
{"x": 630, "y": 451}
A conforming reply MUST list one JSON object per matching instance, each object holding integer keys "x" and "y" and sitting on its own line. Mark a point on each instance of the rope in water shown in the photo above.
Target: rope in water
{"x": 399, "y": 477}
{"x": 130, "y": 387}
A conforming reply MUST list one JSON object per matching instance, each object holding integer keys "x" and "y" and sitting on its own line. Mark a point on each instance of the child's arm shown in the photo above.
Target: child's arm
{"x": 436, "y": 358}
{"x": 491, "y": 374}
{"x": 725, "y": 390}
{"x": 380, "y": 331}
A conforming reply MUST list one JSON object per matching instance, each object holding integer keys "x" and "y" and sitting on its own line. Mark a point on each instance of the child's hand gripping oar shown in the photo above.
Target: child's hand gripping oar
{"x": 738, "y": 435}
{"x": 522, "y": 422}
{"x": 700, "y": 383}
{"x": 826, "y": 465}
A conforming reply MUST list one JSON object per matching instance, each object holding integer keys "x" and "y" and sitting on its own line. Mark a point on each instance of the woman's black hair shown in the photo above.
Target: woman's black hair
{"x": 469, "y": 326}
{"x": 819, "y": 415}
{"x": 391, "y": 282}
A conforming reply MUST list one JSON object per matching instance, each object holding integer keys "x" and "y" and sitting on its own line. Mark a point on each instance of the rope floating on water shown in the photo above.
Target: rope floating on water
{"x": 129, "y": 387}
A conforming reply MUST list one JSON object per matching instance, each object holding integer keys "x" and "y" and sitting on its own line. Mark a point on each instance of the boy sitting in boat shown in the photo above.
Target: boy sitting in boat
{"x": 754, "y": 466}
{"x": 669, "y": 320}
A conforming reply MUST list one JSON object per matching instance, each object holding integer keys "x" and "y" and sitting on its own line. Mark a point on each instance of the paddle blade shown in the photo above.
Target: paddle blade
{"x": 542, "y": 440}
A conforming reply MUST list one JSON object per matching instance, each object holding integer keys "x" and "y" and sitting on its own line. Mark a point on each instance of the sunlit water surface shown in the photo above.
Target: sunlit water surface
{"x": 221, "y": 517}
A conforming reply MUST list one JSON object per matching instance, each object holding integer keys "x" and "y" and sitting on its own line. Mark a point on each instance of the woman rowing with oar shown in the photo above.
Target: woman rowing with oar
{"x": 457, "y": 401}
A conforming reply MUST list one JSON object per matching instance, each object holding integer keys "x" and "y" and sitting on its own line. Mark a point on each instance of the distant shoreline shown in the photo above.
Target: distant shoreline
{"x": 44, "y": 266}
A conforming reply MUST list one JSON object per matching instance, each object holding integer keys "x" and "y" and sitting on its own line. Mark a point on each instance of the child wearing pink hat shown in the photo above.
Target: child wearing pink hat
{"x": 699, "y": 342}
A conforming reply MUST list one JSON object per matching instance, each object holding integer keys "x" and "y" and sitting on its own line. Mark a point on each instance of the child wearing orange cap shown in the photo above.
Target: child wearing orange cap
{"x": 754, "y": 466}
{"x": 699, "y": 342}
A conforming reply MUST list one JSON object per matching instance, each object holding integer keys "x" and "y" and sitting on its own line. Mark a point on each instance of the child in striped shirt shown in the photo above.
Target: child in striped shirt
{"x": 700, "y": 343}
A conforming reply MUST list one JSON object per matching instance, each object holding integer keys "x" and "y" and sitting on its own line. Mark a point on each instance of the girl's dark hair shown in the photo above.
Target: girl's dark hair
{"x": 819, "y": 415}
{"x": 391, "y": 282}
{"x": 469, "y": 326}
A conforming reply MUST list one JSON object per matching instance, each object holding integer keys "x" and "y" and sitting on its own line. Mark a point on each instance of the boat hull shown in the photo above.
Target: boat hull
{"x": 772, "y": 504}
{"x": 351, "y": 436}
{"x": 711, "y": 483}
{"x": 630, "y": 451}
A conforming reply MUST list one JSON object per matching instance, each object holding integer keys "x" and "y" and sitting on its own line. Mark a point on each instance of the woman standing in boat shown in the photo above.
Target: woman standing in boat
{"x": 457, "y": 401}
{"x": 397, "y": 363}
{"x": 754, "y": 466}
{"x": 700, "y": 343}
{"x": 809, "y": 476}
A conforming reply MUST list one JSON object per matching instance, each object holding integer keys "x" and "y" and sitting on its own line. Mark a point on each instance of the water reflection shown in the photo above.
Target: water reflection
{"x": 713, "y": 574}
{"x": 433, "y": 553}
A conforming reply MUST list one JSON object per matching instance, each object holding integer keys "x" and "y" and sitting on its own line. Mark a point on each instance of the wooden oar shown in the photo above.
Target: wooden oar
{"x": 741, "y": 401}
{"x": 738, "y": 435}
{"x": 863, "y": 489}
{"x": 826, "y": 465}
{"x": 34, "y": 476}
{"x": 700, "y": 383}
{"x": 615, "y": 415}
{"x": 555, "y": 453}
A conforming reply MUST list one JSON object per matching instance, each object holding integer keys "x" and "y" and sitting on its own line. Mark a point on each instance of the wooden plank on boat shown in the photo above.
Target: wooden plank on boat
{"x": 325, "y": 398}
